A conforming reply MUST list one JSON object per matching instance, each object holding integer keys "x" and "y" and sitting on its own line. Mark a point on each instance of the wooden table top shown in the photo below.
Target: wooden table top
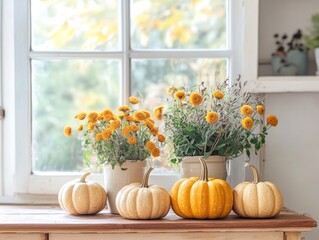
{"x": 15, "y": 218}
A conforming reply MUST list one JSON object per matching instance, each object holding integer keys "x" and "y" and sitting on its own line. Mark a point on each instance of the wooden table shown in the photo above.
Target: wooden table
{"x": 50, "y": 222}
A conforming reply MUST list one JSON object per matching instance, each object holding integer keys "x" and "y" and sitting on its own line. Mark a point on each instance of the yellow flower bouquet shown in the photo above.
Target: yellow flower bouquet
{"x": 113, "y": 138}
{"x": 222, "y": 121}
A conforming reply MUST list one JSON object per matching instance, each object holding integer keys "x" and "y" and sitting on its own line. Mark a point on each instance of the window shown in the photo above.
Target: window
{"x": 72, "y": 56}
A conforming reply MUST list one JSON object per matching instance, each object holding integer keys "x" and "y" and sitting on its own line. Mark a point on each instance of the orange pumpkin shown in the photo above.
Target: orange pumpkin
{"x": 201, "y": 198}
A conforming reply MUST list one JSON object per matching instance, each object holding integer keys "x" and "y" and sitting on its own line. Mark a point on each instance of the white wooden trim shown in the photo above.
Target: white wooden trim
{"x": 126, "y": 62}
{"x": 1, "y": 100}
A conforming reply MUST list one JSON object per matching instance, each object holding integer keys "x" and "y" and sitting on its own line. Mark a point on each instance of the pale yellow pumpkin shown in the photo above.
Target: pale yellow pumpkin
{"x": 141, "y": 201}
{"x": 257, "y": 199}
{"x": 201, "y": 198}
{"x": 82, "y": 197}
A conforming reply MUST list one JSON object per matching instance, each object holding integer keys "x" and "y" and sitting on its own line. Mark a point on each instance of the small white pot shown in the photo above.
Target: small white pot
{"x": 317, "y": 59}
{"x": 115, "y": 179}
{"x": 216, "y": 166}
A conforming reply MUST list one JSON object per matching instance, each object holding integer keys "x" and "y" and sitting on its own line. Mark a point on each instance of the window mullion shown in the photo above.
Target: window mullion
{"x": 181, "y": 54}
{"x": 126, "y": 61}
{"x": 74, "y": 55}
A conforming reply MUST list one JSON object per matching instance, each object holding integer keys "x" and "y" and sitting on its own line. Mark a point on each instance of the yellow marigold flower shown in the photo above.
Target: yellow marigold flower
{"x": 131, "y": 140}
{"x": 91, "y": 126}
{"x": 92, "y": 117}
{"x": 171, "y": 90}
{"x": 260, "y": 109}
{"x": 158, "y": 112}
{"x": 154, "y": 131}
{"x": 180, "y": 95}
{"x": 139, "y": 116}
{"x": 218, "y": 94}
{"x": 121, "y": 115}
{"x": 195, "y": 98}
{"x": 67, "y": 131}
{"x": 106, "y": 134}
{"x": 134, "y": 100}
{"x": 107, "y": 114}
{"x": 134, "y": 128}
{"x": 211, "y": 117}
{"x": 247, "y": 123}
{"x": 150, "y": 145}
{"x": 272, "y": 120}
{"x": 161, "y": 138}
{"x": 126, "y": 130}
{"x": 115, "y": 124}
{"x": 98, "y": 136}
{"x": 246, "y": 110}
{"x": 129, "y": 118}
{"x": 147, "y": 113}
{"x": 155, "y": 152}
{"x": 80, "y": 127}
{"x": 81, "y": 116}
{"x": 124, "y": 108}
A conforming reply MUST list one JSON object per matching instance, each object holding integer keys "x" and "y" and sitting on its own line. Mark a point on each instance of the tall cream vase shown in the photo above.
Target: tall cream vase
{"x": 115, "y": 179}
{"x": 216, "y": 165}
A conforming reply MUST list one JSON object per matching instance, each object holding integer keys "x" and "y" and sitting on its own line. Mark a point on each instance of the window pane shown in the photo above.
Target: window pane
{"x": 151, "y": 78}
{"x": 75, "y": 25}
{"x": 180, "y": 24}
{"x": 61, "y": 89}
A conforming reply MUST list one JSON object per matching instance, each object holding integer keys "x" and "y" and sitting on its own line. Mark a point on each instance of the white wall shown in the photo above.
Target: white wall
{"x": 292, "y": 152}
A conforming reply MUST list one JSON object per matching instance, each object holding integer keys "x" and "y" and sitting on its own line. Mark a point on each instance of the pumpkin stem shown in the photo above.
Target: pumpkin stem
{"x": 82, "y": 180}
{"x": 255, "y": 172}
{"x": 204, "y": 173}
{"x": 146, "y": 177}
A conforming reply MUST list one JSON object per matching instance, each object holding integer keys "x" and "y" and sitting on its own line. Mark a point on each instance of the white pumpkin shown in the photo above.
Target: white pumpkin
{"x": 141, "y": 201}
{"x": 82, "y": 197}
{"x": 257, "y": 199}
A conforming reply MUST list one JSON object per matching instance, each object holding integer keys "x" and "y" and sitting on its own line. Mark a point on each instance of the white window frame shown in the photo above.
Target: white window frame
{"x": 27, "y": 183}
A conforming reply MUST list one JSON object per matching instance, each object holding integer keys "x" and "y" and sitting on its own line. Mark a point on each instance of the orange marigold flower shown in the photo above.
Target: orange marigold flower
{"x": 107, "y": 114}
{"x": 150, "y": 145}
{"x": 149, "y": 123}
{"x": 106, "y": 134}
{"x": 80, "y": 127}
{"x": 246, "y": 110}
{"x": 154, "y": 131}
{"x": 115, "y": 124}
{"x": 180, "y": 95}
{"x": 171, "y": 90}
{"x": 260, "y": 109}
{"x": 139, "y": 115}
{"x": 129, "y": 118}
{"x": 134, "y": 100}
{"x": 155, "y": 152}
{"x": 211, "y": 117}
{"x": 81, "y": 116}
{"x": 247, "y": 123}
{"x": 161, "y": 138}
{"x": 272, "y": 120}
{"x": 126, "y": 130}
{"x": 218, "y": 94}
{"x": 98, "y": 136}
{"x": 134, "y": 128}
{"x": 92, "y": 117}
{"x": 147, "y": 113}
{"x": 131, "y": 140}
{"x": 67, "y": 131}
{"x": 124, "y": 108}
{"x": 195, "y": 99}
{"x": 121, "y": 115}
{"x": 158, "y": 112}
{"x": 91, "y": 126}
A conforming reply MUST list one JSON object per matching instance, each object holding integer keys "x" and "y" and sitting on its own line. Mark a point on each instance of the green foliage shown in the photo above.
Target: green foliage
{"x": 192, "y": 135}
{"x": 312, "y": 40}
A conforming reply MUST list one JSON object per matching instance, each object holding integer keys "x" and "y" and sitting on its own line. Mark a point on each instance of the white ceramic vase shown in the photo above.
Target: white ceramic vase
{"x": 117, "y": 178}
{"x": 317, "y": 59}
{"x": 216, "y": 166}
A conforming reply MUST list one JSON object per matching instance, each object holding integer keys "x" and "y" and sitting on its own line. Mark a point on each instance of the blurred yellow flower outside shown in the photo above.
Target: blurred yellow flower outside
{"x": 114, "y": 138}
{"x": 219, "y": 121}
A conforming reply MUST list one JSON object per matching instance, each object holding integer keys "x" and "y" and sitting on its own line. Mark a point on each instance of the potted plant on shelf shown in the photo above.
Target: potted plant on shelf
{"x": 217, "y": 124}
{"x": 290, "y": 57}
{"x": 312, "y": 40}
{"x": 121, "y": 142}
